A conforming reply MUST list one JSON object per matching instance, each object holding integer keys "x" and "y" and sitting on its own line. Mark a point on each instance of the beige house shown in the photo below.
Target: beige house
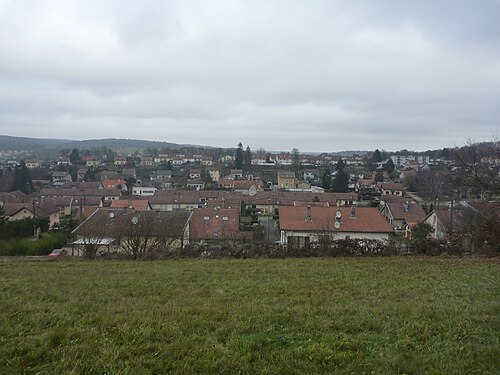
{"x": 303, "y": 225}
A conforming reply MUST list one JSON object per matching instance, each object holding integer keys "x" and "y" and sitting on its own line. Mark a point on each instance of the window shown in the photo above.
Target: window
{"x": 206, "y": 218}
{"x": 225, "y": 218}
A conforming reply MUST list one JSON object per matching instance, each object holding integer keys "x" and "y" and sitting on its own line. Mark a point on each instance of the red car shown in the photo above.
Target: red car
{"x": 58, "y": 253}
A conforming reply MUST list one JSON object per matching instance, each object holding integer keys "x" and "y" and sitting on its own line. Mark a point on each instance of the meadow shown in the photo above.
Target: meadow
{"x": 380, "y": 315}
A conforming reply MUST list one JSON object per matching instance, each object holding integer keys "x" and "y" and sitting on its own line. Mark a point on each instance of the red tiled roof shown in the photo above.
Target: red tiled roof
{"x": 113, "y": 184}
{"x": 323, "y": 219}
{"x": 136, "y": 204}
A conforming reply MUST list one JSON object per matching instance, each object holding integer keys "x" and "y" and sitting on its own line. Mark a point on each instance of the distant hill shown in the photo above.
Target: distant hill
{"x": 32, "y": 144}
{"x": 42, "y": 144}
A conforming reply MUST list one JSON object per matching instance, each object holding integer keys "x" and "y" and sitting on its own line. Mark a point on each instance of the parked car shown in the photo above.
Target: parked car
{"x": 58, "y": 253}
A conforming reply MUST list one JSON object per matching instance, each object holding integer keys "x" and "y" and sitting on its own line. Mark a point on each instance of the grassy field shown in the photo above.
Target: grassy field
{"x": 396, "y": 315}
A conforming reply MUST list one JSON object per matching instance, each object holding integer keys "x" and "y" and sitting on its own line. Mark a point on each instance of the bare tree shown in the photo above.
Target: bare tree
{"x": 143, "y": 236}
{"x": 480, "y": 165}
{"x": 91, "y": 235}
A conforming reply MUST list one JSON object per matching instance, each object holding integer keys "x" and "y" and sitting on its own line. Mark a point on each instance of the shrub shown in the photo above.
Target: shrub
{"x": 43, "y": 246}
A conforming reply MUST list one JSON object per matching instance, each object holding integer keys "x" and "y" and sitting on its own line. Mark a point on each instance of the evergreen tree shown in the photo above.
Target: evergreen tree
{"x": 327, "y": 179}
{"x": 238, "y": 158}
{"x": 341, "y": 181}
{"x": 22, "y": 179}
{"x": 74, "y": 157}
{"x": 389, "y": 166}
{"x": 295, "y": 160}
{"x": 377, "y": 156}
{"x": 247, "y": 157}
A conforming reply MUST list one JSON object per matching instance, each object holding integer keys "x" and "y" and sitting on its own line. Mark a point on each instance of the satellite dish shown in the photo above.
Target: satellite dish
{"x": 338, "y": 215}
{"x": 134, "y": 220}
{"x": 337, "y": 225}
{"x": 111, "y": 215}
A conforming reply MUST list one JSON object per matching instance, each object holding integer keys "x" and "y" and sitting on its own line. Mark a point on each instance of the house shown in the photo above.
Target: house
{"x": 111, "y": 230}
{"x": 80, "y": 174}
{"x": 32, "y": 163}
{"x": 412, "y": 165}
{"x": 235, "y": 174}
{"x": 286, "y": 180}
{"x": 392, "y": 188}
{"x": 61, "y": 177}
{"x": 63, "y": 160}
{"x": 283, "y": 159}
{"x": 216, "y": 224}
{"x": 143, "y": 191}
{"x": 147, "y": 161}
{"x": 246, "y": 187}
{"x": 114, "y": 184}
{"x": 20, "y": 211}
{"x": 161, "y": 174}
{"x": 120, "y": 161}
{"x": 207, "y": 160}
{"x": 128, "y": 173}
{"x": 226, "y": 159}
{"x": 214, "y": 174}
{"x": 195, "y": 174}
{"x": 301, "y": 226}
{"x": 311, "y": 175}
{"x": 403, "y": 216}
{"x": 445, "y": 222}
{"x": 196, "y": 184}
{"x": 92, "y": 162}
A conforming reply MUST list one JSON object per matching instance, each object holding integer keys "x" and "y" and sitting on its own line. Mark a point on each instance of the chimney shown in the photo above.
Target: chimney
{"x": 406, "y": 206}
{"x": 353, "y": 212}
{"x": 308, "y": 214}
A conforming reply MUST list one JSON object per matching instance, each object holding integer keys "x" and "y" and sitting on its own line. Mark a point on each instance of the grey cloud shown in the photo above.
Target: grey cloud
{"x": 320, "y": 75}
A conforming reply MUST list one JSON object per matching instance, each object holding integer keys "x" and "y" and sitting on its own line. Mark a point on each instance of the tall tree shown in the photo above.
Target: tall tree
{"x": 22, "y": 179}
{"x": 327, "y": 179}
{"x": 295, "y": 160}
{"x": 479, "y": 167}
{"x": 74, "y": 157}
{"x": 377, "y": 157}
{"x": 238, "y": 158}
{"x": 247, "y": 157}
{"x": 341, "y": 181}
{"x": 389, "y": 166}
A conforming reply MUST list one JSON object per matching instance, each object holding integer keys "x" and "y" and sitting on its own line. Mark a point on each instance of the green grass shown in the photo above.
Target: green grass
{"x": 400, "y": 315}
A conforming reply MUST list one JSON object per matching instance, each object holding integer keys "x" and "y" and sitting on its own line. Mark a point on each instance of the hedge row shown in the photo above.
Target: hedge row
{"x": 42, "y": 246}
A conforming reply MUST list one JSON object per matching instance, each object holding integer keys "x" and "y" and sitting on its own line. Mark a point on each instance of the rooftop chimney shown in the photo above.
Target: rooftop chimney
{"x": 353, "y": 212}
{"x": 308, "y": 214}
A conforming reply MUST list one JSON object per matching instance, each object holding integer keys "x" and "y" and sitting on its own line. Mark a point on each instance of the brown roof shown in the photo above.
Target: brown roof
{"x": 392, "y": 186}
{"x": 287, "y": 198}
{"x": 114, "y": 223}
{"x": 11, "y": 209}
{"x": 410, "y": 211}
{"x": 221, "y": 223}
{"x": 55, "y": 192}
{"x": 323, "y": 219}
{"x": 113, "y": 184}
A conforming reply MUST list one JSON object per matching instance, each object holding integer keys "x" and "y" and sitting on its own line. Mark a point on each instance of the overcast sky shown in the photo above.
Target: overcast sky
{"x": 317, "y": 75}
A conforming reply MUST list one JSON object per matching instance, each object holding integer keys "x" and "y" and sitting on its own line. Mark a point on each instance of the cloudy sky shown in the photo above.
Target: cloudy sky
{"x": 319, "y": 75}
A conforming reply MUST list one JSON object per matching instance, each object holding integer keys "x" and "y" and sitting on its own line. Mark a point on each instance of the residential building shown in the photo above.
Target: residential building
{"x": 303, "y": 225}
{"x": 286, "y": 180}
